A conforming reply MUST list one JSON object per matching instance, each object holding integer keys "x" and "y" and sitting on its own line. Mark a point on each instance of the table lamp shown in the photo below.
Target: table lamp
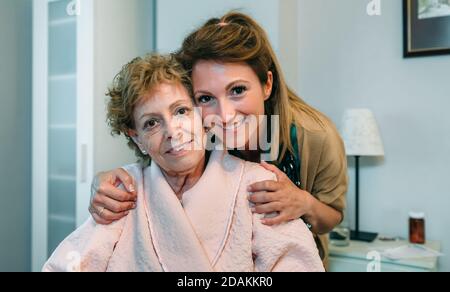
{"x": 362, "y": 138}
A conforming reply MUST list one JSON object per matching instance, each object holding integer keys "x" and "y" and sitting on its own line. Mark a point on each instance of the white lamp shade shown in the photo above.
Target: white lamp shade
{"x": 361, "y": 134}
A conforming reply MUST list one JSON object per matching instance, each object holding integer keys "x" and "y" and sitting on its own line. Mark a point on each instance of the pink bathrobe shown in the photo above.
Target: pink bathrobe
{"x": 212, "y": 229}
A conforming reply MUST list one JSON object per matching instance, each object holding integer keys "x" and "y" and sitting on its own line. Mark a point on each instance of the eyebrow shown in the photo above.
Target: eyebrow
{"x": 176, "y": 104}
{"x": 229, "y": 86}
{"x": 171, "y": 108}
{"x": 234, "y": 83}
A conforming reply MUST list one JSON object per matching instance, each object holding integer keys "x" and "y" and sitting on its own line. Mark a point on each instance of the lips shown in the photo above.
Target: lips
{"x": 179, "y": 148}
{"x": 234, "y": 126}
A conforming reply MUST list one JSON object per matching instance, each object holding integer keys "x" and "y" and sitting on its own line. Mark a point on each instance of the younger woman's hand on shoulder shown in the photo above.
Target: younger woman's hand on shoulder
{"x": 109, "y": 202}
{"x": 281, "y": 196}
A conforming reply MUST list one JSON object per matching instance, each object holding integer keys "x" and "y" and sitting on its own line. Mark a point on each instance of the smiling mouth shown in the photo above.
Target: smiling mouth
{"x": 234, "y": 126}
{"x": 179, "y": 148}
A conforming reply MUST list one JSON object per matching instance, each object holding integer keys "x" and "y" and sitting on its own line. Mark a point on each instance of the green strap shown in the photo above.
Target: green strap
{"x": 294, "y": 142}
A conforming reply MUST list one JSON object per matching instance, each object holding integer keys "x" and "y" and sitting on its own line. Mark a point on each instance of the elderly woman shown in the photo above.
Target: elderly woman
{"x": 192, "y": 212}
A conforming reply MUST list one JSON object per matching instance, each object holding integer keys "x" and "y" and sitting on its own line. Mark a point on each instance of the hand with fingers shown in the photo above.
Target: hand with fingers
{"x": 282, "y": 196}
{"x": 110, "y": 202}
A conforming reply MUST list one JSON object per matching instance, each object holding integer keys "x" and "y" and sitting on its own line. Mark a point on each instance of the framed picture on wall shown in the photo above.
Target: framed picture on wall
{"x": 426, "y": 27}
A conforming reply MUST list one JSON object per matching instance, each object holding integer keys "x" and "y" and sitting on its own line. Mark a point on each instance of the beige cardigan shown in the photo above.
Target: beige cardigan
{"x": 323, "y": 170}
{"x": 212, "y": 229}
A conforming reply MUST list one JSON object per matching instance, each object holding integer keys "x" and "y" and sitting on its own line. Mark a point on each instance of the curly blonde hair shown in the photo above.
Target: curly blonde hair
{"x": 134, "y": 81}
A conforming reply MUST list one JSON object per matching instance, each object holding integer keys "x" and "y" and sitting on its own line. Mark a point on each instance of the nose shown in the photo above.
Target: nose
{"x": 174, "y": 130}
{"x": 227, "y": 112}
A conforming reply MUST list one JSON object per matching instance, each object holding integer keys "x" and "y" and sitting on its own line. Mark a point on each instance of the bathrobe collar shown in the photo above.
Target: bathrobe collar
{"x": 190, "y": 236}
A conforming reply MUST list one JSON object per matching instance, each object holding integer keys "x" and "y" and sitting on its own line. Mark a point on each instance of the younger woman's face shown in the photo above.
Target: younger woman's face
{"x": 230, "y": 95}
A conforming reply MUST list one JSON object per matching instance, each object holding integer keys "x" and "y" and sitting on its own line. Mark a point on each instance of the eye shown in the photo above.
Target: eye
{"x": 238, "y": 90}
{"x": 183, "y": 111}
{"x": 204, "y": 99}
{"x": 150, "y": 124}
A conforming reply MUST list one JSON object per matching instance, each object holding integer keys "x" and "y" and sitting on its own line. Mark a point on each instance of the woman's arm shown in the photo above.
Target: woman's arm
{"x": 321, "y": 217}
{"x": 110, "y": 203}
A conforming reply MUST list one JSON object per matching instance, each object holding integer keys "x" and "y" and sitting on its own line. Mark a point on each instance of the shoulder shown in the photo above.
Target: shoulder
{"x": 320, "y": 134}
{"x": 135, "y": 170}
{"x": 254, "y": 172}
{"x": 321, "y": 125}
{"x": 250, "y": 171}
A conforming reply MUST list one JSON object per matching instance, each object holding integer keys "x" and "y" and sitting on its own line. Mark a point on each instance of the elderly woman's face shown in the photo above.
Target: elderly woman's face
{"x": 169, "y": 129}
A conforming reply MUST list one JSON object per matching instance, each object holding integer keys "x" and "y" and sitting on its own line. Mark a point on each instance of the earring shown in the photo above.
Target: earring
{"x": 139, "y": 145}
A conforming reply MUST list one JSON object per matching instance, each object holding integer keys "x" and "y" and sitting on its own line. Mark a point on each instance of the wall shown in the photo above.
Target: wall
{"x": 177, "y": 18}
{"x": 15, "y": 134}
{"x": 288, "y": 38}
{"x": 350, "y": 60}
{"x": 123, "y": 31}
